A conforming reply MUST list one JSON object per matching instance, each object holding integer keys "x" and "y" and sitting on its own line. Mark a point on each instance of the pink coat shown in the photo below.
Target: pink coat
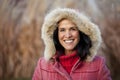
{"x": 94, "y": 70}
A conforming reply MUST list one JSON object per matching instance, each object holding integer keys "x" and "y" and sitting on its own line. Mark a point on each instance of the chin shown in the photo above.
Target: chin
{"x": 69, "y": 49}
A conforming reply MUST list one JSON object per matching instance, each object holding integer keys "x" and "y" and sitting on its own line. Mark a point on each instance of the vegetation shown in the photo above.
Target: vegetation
{"x": 20, "y": 28}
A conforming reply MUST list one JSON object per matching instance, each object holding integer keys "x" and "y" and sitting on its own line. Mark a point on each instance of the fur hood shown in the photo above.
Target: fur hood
{"x": 83, "y": 24}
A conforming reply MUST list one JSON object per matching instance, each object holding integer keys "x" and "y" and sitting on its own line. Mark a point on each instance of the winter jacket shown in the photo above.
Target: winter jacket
{"x": 93, "y": 68}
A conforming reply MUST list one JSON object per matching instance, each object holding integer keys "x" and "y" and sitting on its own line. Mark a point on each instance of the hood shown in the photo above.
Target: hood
{"x": 83, "y": 24}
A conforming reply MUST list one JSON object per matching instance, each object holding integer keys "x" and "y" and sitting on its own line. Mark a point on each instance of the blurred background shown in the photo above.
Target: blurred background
{"x": 20, "y": 33}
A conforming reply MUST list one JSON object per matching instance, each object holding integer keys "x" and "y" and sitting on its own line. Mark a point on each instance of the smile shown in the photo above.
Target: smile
{"x": 69, "y": 41}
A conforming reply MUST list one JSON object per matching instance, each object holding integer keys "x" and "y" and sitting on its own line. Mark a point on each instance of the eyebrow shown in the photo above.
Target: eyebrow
{"x": 74, "y": 27}
{"x": 70, "y": 27}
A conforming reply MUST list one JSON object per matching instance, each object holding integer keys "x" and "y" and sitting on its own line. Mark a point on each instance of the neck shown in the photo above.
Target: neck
{"x": 69, "y": 52}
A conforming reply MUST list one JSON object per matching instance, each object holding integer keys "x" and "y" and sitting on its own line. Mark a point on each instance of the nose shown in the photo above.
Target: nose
{"x": 68, "y": 34}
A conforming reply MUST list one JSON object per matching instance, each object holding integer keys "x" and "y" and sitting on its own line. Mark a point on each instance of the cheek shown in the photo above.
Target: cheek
{"x": 60, "y": 35}
{"x": 76, "y": 35}
{"x": 77, "y": 38}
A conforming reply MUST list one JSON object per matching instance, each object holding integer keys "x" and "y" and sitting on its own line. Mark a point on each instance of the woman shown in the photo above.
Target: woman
{"x": 71, "y": 43}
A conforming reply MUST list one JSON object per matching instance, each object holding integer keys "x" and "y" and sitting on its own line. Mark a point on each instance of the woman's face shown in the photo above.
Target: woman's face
{"x": 68, "y": 35}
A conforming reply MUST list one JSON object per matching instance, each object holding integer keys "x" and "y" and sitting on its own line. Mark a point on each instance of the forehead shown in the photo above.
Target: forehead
{"x": 66, "y": 23}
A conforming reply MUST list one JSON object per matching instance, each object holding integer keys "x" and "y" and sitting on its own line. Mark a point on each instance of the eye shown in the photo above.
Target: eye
{"x": 61, "y": 30}
{"x": 74, "y": 29}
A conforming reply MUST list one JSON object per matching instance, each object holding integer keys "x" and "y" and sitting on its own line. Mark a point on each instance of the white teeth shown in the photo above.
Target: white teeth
{"x": 68, "y": 41}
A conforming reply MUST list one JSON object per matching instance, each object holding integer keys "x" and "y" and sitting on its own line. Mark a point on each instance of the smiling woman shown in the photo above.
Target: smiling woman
{"x": 68, "y": 35}
{"x": 71, "y": 43}
{"x": 67, "y": 39}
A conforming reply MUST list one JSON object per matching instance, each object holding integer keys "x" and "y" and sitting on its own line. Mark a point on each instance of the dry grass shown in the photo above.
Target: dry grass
{"x": 20, "y": 26}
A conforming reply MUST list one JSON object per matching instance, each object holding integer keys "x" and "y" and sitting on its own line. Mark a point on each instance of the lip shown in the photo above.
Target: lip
{"x": 69, "y": 41}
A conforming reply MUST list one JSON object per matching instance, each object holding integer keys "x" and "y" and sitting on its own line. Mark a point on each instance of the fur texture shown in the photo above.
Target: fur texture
{"x": 83, "y": 24}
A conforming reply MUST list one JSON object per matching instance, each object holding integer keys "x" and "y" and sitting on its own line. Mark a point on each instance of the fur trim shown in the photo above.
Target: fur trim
{"x": 83, "y": 23}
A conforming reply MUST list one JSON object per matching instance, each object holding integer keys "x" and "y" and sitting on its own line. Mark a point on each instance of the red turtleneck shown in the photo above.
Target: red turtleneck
{"x": 67, "y": 61}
